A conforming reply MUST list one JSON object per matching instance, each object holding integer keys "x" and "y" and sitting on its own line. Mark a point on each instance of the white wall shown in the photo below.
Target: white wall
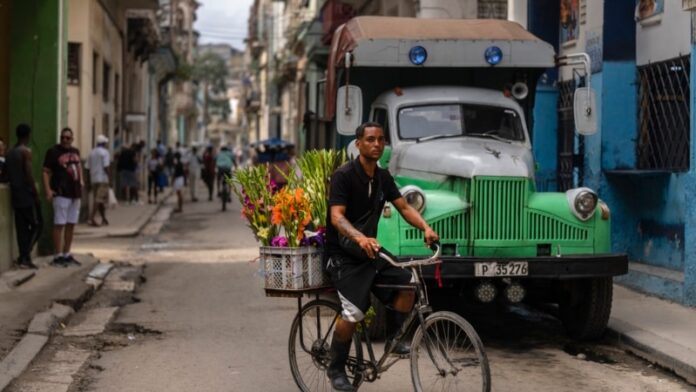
{"x": 594, "y": 23}
{"x": 517, "y": 11}
{"x": 664, "y": 37}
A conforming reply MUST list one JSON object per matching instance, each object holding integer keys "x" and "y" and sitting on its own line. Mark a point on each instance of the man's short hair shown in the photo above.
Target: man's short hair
{"x": 23, "y": 131}
{"x": 360, "y": 130}
{"x": 67, "y": 129}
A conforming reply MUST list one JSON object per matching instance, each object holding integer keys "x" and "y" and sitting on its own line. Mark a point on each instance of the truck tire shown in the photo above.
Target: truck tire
{"x": 585, "y": 307}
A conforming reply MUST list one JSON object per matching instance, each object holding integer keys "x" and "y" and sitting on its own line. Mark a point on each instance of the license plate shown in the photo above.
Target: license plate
{"x": 493, "y": 269}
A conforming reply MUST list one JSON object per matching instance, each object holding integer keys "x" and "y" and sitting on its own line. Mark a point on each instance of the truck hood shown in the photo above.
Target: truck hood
{"x": 463, "y": 157}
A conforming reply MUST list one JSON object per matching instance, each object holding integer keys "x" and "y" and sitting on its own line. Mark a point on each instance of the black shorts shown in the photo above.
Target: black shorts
{"x": 354, "y": 280}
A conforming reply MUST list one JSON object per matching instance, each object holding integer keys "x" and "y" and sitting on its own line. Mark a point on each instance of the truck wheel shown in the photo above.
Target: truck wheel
{"x": 378, "y": 327}
{"x": 585, "y": 307}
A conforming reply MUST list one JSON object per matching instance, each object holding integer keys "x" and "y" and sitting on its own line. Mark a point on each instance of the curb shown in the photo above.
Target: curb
{"x": 653, "y": 348}
{"x": 44, "y": 324}
{"x": 133, "y": 232}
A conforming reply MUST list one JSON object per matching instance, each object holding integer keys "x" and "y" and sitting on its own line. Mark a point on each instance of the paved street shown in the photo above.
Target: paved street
{"x": 200, "y": 322}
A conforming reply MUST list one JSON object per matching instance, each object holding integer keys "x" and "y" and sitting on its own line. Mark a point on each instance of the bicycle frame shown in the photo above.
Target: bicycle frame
{"x": 372, "y": 368}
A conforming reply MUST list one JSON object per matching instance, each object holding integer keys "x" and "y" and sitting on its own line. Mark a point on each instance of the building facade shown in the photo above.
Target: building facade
{"x": 641, "y": 160}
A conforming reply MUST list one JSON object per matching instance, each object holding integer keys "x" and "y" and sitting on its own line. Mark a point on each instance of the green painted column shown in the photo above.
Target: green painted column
{"x": 37, "y": 89}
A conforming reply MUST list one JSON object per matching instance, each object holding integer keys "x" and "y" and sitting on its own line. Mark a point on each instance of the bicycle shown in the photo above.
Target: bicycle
{"x": 446, "y": 352}
{"x": 223, "y": 182}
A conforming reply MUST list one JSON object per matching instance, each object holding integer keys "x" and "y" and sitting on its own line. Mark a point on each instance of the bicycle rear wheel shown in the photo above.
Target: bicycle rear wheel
{"x": 308, "y": 346}
{"x": 447, "y": 355}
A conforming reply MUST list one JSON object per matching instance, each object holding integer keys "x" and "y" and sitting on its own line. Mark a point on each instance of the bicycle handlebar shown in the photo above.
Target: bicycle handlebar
{"x": 435, "y": 259}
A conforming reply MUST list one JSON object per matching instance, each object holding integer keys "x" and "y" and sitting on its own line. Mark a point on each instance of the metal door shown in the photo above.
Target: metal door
{"x": 570, "y": 162}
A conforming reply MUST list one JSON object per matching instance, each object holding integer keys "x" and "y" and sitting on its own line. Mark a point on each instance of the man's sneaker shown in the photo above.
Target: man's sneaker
{"x": 400, "y": 348}
{"x": 26, "y": 264}
{"x": 69, "y": 259}
{"x": 59, "y": 261}
{"x": 339, "y": 380}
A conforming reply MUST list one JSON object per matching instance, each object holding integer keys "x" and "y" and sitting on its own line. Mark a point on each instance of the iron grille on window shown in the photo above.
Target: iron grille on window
{"x": 492, "y": 9}
{"x": 664, "y": 117}
{"x": 73, "y": 63}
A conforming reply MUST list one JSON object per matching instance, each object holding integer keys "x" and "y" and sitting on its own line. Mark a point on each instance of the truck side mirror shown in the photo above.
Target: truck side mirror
{"x": 348, "y": 109}
{"x": 585, "y": 111}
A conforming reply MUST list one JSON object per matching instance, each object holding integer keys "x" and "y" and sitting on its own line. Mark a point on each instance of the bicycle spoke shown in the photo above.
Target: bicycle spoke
{"x": 443, "y": 359}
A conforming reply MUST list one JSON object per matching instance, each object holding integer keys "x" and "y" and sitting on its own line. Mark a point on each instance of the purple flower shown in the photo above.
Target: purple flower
{"x": 280, "y": 241}
{"x": 305, "y": 241}
{"x": 273, "y": 186}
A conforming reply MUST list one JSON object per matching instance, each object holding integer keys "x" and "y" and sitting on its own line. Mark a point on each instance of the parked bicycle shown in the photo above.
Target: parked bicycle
{"x": 446, "y": 352}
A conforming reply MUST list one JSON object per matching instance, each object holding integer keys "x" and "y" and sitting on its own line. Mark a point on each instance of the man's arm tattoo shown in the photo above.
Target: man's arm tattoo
{"x": 347, "y": 229}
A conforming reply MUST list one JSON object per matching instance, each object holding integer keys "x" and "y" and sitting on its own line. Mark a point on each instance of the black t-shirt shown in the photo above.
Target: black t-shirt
{"x": 351, "y": 187}
{"x": 178, "y": 169}
{"x": 66, "y": 171}
{"x": 21, "y": 188}
{"x": 126, "y": 161}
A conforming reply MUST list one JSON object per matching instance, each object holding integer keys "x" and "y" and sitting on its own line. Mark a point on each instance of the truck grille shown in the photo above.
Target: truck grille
{"x": 543, "y": 227}
{"x": 449, "y": 228}
{"x": 498, "y": 205}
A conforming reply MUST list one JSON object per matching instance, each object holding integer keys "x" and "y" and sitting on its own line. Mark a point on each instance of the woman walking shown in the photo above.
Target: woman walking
{"x": 179, "y": 181}
{"x": 154, "y": 168}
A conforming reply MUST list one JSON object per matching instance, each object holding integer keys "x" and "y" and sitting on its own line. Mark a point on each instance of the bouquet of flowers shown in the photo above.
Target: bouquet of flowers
{"x": 317, "y": 166}
{"x": 254, "y": 188}
{"x": 291, "y": 211}
{"x": 284, "y": 217}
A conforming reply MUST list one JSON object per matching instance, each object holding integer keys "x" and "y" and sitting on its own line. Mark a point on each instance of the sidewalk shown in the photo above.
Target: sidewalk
{"x": 20, "y": 301}
{"x": 124, "y": 220}
{"x": 657, "y": 330}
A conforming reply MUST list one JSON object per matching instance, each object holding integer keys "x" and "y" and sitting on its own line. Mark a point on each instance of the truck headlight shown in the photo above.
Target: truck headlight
{"x": 583, "y": 202}
{"x": 414, "y": 197}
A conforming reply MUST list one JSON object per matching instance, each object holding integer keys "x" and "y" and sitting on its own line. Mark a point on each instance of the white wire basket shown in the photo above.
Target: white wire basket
{"x": 292, "y": 269}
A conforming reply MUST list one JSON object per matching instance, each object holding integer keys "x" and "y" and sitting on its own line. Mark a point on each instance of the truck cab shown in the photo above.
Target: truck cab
{"x": 455, "y": 99}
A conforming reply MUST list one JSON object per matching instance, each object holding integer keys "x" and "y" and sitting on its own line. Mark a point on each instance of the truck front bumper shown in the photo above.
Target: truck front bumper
{"x": 546, "y": 267}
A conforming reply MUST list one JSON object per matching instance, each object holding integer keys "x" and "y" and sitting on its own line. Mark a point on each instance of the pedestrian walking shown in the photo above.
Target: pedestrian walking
{"x": 169, "y": 165}
{"x": 209, "y": 170}
{"x": 98, "y": 164}
{"x": 24, "y": 196}
{"x": 179, "y": 181}
{"x": 126, "y": 172}
{"x": 194, "y": 172}
{"x": 154, "y": 169}
{"x": 2, "y": 160}
{"x": 62, "y": 179}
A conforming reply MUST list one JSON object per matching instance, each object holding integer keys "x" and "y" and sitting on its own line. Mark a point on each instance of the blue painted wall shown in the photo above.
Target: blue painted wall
{"x": 545, "y": 137}
{"x": 652, "y": 219}
{"x": 690, "y": 189}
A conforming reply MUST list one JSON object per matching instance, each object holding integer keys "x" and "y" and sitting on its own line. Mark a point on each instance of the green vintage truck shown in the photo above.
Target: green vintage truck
{"x": 455, "y": 98}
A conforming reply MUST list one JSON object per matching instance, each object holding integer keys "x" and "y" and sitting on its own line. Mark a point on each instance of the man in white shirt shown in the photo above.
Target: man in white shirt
{"x": 194, "y": 171}
{"x": 98, "y": 164}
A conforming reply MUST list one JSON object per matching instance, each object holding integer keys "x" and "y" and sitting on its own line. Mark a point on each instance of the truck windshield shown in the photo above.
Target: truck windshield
{"x": 450, "y": 120}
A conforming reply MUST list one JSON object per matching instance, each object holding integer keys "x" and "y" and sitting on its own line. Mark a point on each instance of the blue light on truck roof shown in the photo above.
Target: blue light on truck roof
{"x": 417, "y": 55}
{"x": 493, "y": 55}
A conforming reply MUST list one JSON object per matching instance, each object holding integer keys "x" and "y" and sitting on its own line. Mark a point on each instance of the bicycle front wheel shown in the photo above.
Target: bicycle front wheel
{"x": 447, "y": 355}
{"x": 310, "y": 340}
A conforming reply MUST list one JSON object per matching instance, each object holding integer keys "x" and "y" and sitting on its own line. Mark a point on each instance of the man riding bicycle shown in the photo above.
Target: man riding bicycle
{"x": 224, "y": 162}
{"x": 359, "y": 190}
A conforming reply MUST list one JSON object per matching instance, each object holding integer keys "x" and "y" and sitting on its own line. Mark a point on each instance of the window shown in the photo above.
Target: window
{"x": 380, "y": 117}
{"x": 451, "y": 120}
{"x": 492, "y": 9}
{"x": 106, "y": 78}
{"x": 74, "y": 63}
{"x": 664, "y": 115}
{"x": 95, "y": 71}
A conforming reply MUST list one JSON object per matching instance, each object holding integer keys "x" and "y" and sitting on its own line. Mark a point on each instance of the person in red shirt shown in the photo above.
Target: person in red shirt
{"x": 208, "y": 170}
